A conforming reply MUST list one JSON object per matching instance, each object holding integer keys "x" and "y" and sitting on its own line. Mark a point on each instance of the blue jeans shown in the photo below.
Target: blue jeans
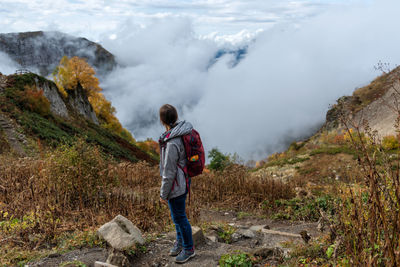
{"x": 182, "y": 225}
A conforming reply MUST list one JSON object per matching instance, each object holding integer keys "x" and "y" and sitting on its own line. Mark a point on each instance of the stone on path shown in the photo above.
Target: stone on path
{"x": 236, "y": 237}
{"x": 198, "y": 236}
{"x": 212, "y": 238}
{"x": 246, "y": 233}
{"x": 257, "y": 228}
{"x": 261, "y": 228}
{"x": 120, "y": 233}
{"x": 273, "y": 232}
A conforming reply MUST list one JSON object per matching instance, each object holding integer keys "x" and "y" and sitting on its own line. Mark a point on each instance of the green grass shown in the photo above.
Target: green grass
{"x": 333, "y": 151}
{"x": 235, "y": 260}
{"x": 226, "y": 234}
{"x": 45, "y": 129}
{"x": 73, "y": 263}
{"x": 281, "y": 162}
{"x": 304, "y": 209}
{"x": 242, "y": 215}
{"x": 286, "y": 161}
{"x": 55, "y": 131}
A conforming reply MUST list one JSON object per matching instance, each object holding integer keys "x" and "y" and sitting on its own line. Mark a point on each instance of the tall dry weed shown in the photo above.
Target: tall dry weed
{"x": 369, "y": 216}
{"x": 76, "y": 187}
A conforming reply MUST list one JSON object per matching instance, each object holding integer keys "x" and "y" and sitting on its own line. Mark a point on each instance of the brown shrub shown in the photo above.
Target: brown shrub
{"x": 34, "y": 100}
{"x": 369, "y": 213}
{"x": 236, "y": 188}
{"x": 75, "y": 187}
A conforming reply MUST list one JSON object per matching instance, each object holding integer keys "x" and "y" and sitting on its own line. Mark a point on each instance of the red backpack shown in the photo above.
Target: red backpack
{"x": 194, "y": 153}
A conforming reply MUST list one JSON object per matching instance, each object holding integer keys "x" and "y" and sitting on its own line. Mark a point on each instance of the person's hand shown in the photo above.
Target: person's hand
{"x": 163, "y": 201}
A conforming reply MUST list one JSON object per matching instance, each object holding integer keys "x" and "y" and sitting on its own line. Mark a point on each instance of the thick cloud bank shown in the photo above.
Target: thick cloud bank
{"x": 280, "y": 90}
{"x": 7, "y": 65}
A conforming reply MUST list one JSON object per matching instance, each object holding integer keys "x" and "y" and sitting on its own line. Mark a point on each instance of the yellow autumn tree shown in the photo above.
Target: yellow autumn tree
{"x": 74, "y": 72}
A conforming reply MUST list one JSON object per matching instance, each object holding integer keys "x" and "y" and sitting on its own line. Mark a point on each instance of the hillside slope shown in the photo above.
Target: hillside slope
{"x": 375, "y": 103}
{"x": 327, "y": 156}
{"x": 33, "y": 110}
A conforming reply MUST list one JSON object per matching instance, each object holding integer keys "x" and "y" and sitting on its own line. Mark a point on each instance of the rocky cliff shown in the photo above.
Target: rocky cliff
{"x": 31, "y": 120}
{"x": 76, "y": 103}
{"x": 376, "y": 103}
{"x": 41, "y": 51}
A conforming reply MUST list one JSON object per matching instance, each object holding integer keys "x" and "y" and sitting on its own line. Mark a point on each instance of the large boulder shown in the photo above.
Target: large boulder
{"x": 120, "y": 233}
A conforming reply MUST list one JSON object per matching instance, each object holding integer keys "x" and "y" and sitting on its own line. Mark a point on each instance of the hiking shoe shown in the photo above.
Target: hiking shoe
{"x": 176, "y": 249}
{"x": 184, "y": 256}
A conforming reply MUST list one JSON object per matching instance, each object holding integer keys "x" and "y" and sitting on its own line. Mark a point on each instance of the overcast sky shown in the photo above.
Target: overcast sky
{"x": 97, "y": 19}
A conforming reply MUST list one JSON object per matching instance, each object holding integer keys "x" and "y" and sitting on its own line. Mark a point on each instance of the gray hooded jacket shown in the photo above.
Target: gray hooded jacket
{"x": 173, "y": 182}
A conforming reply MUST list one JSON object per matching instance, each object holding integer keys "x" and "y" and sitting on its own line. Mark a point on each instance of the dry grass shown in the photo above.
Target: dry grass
{"x": 369, "y": 216}
{"x": 75, "y": 188}
{"x": 237, "y": 189}
{"x": 376, "y": 89}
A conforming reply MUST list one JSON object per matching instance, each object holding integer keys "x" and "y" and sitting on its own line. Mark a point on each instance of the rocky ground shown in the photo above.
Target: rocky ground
{"x": 262, "y": 237}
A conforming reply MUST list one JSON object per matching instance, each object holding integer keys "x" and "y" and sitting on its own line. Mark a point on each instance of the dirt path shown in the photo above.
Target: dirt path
{"x": 252, "y": 235}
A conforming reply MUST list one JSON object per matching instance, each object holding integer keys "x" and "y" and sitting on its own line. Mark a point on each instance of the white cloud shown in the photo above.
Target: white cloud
{"x": 279, "y": 91}
{"x": 7, "y": 65}
{"x": 93, "y": 18}
{"x": 239, "y": 39}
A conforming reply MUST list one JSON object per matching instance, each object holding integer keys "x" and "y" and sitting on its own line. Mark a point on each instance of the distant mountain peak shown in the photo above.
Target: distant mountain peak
{"x": 41, "y": 51}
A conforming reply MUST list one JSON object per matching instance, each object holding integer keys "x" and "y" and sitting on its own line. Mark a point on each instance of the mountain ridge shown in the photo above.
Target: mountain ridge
{"x": 42, "y": 51}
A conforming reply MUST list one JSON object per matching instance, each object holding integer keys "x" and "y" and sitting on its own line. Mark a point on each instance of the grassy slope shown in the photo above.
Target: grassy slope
{"x": 52, "y": 130}
{"x": 323, "y": 166}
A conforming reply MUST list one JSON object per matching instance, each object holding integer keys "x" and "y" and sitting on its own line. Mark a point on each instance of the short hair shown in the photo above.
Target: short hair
{"x": 168, "y": 115}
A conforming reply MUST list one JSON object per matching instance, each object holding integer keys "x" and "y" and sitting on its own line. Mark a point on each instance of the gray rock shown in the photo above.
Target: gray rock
{"x": 246, "y": 233}
{"x": 120, "y": 233}
{"x": 198, "y": 236}
{"x": 236, "y": 237}
{"x": 212, "y": 238}
{"x": 57, "y": 105}
{"x": 257, "y": 228}
{"x": 78, "y": 100}
{"x": 279, "y": 233}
